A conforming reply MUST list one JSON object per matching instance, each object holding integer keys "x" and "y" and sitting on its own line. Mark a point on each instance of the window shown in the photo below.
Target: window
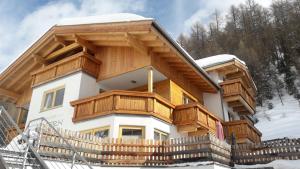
{"x": 53, "y": 98}
{"x": 102, "y": 132}
{"x": 132, "y": 132}
{"x": 23, "y": 116}
{"x": 186, "y": 99}
{"x": 159, "y": 135}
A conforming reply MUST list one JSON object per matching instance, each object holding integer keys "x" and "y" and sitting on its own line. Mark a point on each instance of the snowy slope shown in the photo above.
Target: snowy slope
{"x": 281, "y": 121}
{"x": 278, "y": 164}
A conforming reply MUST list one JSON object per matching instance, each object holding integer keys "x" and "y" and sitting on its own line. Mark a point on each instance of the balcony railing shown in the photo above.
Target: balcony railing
{"x": 123, "y": 102}
{"x": 243, "y": 131}
{"x": 194, "y": 116}
{"x": 232, "y": 88}
{"x": 77, "y": 62}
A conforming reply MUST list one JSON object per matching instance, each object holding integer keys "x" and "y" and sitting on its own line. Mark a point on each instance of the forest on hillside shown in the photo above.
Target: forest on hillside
{"x": 267, "y": 39}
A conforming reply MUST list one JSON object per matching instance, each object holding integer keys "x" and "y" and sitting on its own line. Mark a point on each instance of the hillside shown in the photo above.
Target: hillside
{"x": 281, "y": 121}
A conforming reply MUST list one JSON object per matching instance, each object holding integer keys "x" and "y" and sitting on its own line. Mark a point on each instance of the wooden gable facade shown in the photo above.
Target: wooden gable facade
{"x": 107, "y": 50}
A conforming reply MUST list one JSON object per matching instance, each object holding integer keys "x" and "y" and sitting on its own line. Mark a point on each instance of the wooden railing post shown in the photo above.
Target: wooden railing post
{"x": 150, "y": 79}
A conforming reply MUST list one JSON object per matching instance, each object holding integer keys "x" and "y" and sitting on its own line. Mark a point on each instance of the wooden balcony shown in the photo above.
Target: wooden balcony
{"x": 123, "y": 102}
{"x": 194, "y": 119}
{"x": 238, "y": 97}
{"x": 243, "y": 131}
{"x": 78, "y": 62}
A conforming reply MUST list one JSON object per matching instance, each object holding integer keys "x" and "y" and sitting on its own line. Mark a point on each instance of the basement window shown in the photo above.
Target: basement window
{"x": 132, "y": 132}
{"x": 102, "y": 132}
{"x": 53, "y": 98}
{"x": 160, "y": 135}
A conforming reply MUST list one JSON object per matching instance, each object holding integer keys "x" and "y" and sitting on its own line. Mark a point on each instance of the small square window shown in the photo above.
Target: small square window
{"x": 53, "y": 98}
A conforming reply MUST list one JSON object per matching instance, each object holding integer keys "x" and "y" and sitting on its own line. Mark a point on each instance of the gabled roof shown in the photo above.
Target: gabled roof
{"x": 226, "y": 64}
{"x": 114, "y": 30}
{"x": 217, "y": 60}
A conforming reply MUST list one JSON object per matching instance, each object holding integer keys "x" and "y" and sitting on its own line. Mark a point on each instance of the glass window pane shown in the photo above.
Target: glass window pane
{"x": 164, "y": 137}
{"x": 156, "y": 135}
{"x": 102, "y": 133}
{"x": 48, "y": 101}
{"x": 24, "y": 114}
{"x": 132, "y": 133}
{"x": 59, "y": 97}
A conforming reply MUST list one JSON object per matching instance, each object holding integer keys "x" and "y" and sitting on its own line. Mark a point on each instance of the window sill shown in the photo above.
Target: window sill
{"x": 44, "y": 110}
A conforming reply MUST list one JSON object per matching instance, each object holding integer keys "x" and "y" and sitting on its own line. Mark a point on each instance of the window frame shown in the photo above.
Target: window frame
{"x": 93, "y": 130}
{"x": 188, "y": 98}
{"x": 121, "y": 127}
{"x": 160, "y": 134}
{"x": 54, "y": 91}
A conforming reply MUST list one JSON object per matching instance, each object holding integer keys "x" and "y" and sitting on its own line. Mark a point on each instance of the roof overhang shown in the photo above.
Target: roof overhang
{"x": 144, "y": 35}
{"x": 230, "y": 67}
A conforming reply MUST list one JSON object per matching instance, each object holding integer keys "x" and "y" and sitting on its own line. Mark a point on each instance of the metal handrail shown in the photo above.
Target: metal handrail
{"x": 29, "y": 146}
{"x": 75, "y": 152}
{"x": 2, "y": 162}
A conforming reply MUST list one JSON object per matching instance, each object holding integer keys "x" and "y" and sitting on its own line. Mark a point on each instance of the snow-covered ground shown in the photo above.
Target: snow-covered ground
{"x": 278, "y": 164}
{"x": 281, "y": 121}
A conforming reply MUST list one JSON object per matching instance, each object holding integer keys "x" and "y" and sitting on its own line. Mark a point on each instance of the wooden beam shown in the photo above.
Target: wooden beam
{"x": 154, "y": 43}
{"x": 60, "y": 40}
{"x": 63, "y": 50}
{"x": 111, "y": 43}
{"x": 23, "y": 84}
{"x": 50, "y": 49}
{"x": 38, "y": 59}
{"x": 20, "y": 75}
{"x": 10, "y": 94}
{"x": 85, "y": 43}
{"x": 150, "y": 79}
{"x": 161, "y": 50}
{"x": 136, "y": 44}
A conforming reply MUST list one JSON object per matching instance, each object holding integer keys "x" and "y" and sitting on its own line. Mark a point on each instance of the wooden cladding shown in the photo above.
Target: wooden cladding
{"x": 78, "y": 62}
{"x": 234, "y": 90}
{"x": 123, "y": 102}
{"x": 242, "y": 130}
{"x": 194, "y": 117}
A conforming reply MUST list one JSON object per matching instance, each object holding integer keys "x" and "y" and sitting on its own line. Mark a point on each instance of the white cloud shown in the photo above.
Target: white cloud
{"x": 207, "y": 8}
{"x": 19, "y": 36}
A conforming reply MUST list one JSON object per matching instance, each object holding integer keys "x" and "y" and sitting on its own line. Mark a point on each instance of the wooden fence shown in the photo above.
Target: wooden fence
{"x": 266, "y": 151}
{"x": 121, "y": 152}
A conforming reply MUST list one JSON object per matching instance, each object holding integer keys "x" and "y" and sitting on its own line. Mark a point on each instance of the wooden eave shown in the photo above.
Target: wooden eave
{"x": 144, "y": 36}
{"x": 232, "y": 67}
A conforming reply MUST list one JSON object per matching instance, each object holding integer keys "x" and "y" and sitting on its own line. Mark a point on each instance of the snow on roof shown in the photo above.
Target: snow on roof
{"x": 216, "y": 60}
{"x": 108, "y": 18}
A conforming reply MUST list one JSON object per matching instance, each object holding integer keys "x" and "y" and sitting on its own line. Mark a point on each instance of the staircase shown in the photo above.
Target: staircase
{"x": 20, "y": 150}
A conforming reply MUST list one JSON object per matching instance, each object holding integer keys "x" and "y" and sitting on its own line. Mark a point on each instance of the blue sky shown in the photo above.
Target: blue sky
{"x": 22, "y": 22}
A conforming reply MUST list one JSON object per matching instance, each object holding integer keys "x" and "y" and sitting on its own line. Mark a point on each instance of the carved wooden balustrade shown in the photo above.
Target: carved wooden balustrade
{"x": 243, "y": 131}
{"x": 78, "y": 62}
{"x": 234, "y": 90}
{"x": 123, "y": 102}
{"x": 194, "y": 117}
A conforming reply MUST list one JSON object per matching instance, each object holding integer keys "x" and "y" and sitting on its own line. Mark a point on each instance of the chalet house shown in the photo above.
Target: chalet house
{"x": 125, "y": 77}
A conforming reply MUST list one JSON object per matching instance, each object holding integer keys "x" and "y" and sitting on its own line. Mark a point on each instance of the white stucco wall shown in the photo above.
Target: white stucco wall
{"x": 80, "y": 85}
{"x": 61, "y": 116}
{"x": 213, "y": 103}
